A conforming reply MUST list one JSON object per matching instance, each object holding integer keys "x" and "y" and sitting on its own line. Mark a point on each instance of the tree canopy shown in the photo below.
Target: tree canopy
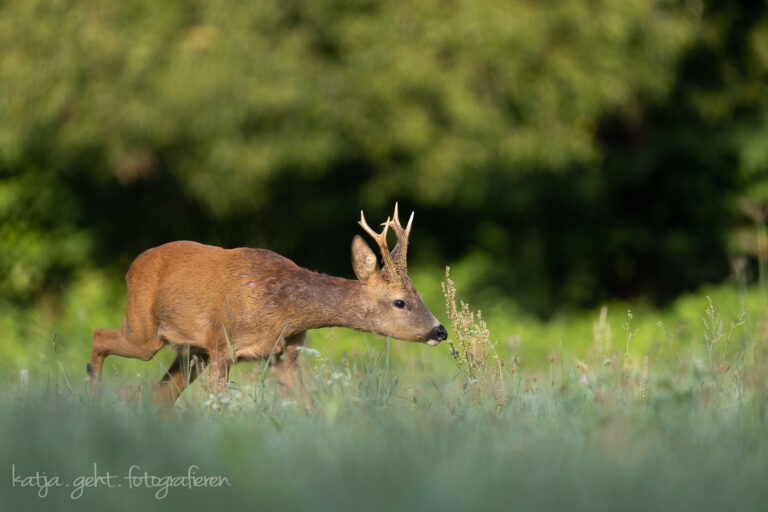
{"x": 574, "y": 149}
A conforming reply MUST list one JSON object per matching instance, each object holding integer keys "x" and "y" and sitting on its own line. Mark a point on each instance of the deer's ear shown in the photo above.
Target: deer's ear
{"x": 363, "y": 260}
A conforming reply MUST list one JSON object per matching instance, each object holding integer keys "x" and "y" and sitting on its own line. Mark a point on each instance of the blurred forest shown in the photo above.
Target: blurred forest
{"x": 567, "y": 151}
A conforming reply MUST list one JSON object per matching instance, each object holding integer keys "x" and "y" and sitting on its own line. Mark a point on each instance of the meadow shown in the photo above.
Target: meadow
{"x": 585, "y": 168}
{"x": 605, "y": 409}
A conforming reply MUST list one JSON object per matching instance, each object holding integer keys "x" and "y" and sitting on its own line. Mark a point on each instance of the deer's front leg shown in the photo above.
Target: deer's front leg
{"x": 182, "y": 373}
{"x": 218, "y": 372}
{"x": 284, "y": 367}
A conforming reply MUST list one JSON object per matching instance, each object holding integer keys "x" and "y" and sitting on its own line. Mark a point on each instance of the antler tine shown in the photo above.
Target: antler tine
{"x": 378, "y": 237}
{"x": 381, "y": 240}
{"x": 399, "y": 253}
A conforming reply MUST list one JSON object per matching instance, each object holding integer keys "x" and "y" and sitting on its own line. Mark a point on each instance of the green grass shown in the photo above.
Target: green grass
{"x": 675, "y": 419}
{"x": 374, "y": 441}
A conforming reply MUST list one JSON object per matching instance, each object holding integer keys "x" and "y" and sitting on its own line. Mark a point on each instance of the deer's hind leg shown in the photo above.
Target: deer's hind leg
{"x": 138, "y": 337}
{"x": 124, "y": 342}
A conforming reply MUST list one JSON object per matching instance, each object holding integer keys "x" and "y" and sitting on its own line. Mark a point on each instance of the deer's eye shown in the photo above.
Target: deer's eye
{"x": 399, "y": 304}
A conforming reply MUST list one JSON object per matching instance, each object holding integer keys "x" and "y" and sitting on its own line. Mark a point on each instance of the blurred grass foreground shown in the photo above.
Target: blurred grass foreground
{"x": 595, "y": 174}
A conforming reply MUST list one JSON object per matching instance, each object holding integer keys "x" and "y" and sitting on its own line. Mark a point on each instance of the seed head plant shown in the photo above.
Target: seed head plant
{"x": 471, "y": 347}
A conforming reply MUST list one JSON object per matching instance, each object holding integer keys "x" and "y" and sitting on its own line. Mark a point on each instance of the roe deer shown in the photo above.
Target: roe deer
{"x": 219, "y": 306}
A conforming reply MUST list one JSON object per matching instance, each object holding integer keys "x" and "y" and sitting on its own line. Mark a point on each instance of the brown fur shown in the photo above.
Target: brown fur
{"x": 213, "y": 305}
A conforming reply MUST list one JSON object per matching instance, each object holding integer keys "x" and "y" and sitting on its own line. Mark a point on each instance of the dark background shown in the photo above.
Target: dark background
{"x": 571, "y": 152}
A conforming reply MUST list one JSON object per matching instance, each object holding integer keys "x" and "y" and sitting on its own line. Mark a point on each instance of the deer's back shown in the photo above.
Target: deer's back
{"x": 190, "y": 288}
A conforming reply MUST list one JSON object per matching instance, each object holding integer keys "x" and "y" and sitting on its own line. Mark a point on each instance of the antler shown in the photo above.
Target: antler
{"x": 401, "y": 248}
{"x": 389, "y": 269}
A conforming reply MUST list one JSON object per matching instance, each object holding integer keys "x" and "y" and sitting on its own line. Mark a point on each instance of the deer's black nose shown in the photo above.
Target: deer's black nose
{"x": 438, "y": 333}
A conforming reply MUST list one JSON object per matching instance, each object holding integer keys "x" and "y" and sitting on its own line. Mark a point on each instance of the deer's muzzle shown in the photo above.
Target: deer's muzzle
{"x": 436, "y": 335}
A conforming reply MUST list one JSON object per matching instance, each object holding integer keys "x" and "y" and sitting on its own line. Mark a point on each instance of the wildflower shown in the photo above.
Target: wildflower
{"x": 583, "y": 379}
{"x": 216, "y": 401}
{"x": 308, "y": 351}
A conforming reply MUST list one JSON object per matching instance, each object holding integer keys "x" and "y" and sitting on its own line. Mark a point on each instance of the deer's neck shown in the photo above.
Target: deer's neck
{"x": 325, "y": 301}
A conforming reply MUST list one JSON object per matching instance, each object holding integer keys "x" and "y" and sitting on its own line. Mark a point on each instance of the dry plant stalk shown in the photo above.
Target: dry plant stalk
{"x": 713, "y": 329}
{"x": 630, "y": 334}
{"x": 644, "y": 382}
{"x": 601, "y": 334}
{"x": 471, "y": 347}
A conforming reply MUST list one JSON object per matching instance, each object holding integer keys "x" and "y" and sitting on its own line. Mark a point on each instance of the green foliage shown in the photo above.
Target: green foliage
{"x": 576, "y": 151}
{"x": 226, "y": 97}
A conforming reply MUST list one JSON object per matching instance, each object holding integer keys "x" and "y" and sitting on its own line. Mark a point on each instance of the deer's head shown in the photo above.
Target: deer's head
{"x": 394, "y": 306}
